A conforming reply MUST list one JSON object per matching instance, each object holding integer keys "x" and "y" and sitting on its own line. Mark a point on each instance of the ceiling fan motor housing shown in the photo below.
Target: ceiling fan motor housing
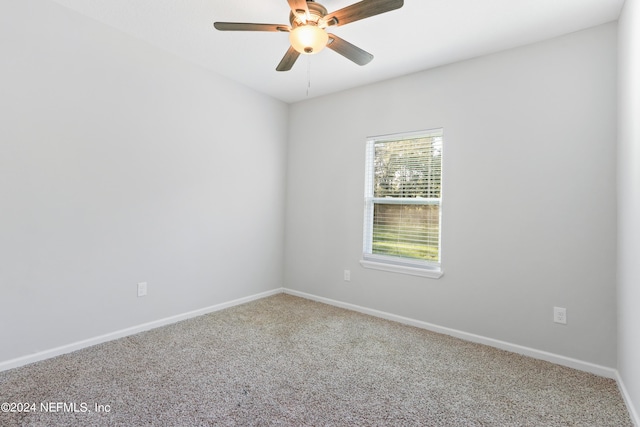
{"x": 316, "y": 12}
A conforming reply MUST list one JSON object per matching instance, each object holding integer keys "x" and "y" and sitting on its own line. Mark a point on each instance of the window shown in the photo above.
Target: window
{"x": 402, "y": 203}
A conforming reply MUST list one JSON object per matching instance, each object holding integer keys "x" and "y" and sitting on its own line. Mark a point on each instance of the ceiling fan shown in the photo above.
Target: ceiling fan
{"x": 308, "y": 31}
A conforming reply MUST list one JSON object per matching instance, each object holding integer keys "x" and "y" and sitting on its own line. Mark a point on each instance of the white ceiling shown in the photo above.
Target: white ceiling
{"x": 422, "y": 34}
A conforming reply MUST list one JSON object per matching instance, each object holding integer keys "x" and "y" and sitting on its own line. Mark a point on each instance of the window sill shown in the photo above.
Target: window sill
{"x": 403, "y": 269}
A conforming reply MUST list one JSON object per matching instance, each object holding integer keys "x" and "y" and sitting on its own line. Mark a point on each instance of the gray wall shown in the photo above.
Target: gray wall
{"x": 629, "y": 202}
{"x": 529, "y": 208}
{"x": 120, "y": 163}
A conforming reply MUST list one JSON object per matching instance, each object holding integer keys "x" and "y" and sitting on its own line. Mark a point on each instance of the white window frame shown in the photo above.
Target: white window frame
{"x": 386, "y": 262}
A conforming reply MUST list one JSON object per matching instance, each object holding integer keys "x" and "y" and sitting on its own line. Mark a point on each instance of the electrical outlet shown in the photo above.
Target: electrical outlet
{"x": 142, "y": 289}
{"x": 560, "y": 315}
{"x": 347, "y": 275}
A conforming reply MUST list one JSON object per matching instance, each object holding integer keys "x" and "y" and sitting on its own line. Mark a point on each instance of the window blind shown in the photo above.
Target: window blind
{"x": 403, "y": 187}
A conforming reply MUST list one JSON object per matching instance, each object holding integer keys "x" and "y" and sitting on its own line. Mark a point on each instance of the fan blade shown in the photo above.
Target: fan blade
{"x": 288, "y": 60}
{"x": 360, "y": 10}
{"x": 300, "y": 9}
{"x": 349, "y": 51}
{"x": 241, "y": 26}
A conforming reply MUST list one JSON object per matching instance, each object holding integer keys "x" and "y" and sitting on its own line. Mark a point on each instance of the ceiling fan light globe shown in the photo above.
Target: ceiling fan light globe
{"x": 308, "y": 39}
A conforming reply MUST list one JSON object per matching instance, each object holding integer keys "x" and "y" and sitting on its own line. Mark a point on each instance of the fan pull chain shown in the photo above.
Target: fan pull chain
{"x": 308, "y": 74}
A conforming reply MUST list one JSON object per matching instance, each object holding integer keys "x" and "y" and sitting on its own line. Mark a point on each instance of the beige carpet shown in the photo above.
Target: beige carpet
{"x": 288, "y": 361}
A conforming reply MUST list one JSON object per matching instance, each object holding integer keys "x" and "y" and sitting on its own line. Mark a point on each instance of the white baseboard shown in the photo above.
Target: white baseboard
{"x": 68, "y": 348}
{"x": 514, "y": 348}
{"x": 635, "y": 417}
